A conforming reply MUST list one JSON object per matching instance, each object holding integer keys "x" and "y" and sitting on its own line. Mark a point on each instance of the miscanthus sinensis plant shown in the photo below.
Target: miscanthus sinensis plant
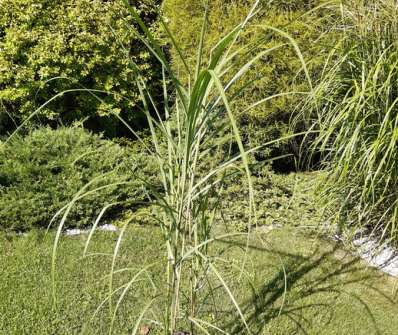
{"x": 358, "y": 120}
{"x": 182, "y": 133}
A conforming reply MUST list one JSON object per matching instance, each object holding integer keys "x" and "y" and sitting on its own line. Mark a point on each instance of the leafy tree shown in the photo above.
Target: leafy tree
{"x": 276, "y": 72}
{"x": 82, "y": 43}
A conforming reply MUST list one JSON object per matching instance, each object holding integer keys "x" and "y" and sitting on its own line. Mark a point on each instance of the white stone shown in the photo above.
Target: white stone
{"x": 108, "y": 227}
{"x": 381, "y": 257}
{"x": 105, "y": 227}
{"x": 73, "y": 232}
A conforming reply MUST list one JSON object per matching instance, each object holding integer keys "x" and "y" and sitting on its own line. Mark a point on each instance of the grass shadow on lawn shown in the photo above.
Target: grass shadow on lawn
{"x": 302, "y": 296}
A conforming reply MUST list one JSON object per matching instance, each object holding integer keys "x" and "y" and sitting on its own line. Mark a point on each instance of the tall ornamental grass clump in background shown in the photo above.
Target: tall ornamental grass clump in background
{"x": 358, "y": 119}
{"x": 183, "y": 137}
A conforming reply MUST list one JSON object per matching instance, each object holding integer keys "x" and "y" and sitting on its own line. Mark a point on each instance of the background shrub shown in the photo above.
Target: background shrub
{"x": 39, "y": 174}
{"x": 280, "y": 200}
{"x": 277, "y": 72}
{"x": 84, "y": 42}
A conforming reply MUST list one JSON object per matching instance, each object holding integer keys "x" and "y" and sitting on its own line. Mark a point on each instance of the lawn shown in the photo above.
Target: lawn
{"x": 327, "y": 291}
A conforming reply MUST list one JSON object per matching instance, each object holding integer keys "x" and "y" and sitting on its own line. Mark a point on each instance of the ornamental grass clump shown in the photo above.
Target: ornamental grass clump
{"x": 182, "y": 135}
{"x": 358, "y": 120}
{"x": 182, "y": 141}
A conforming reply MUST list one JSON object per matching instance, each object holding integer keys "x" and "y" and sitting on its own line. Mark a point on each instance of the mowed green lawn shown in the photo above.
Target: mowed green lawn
{"x": 325, "y": 290}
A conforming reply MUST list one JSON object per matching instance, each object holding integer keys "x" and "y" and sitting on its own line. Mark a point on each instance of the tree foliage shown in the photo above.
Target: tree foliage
{"x": 84, "y": 44}
{"x": 279, "y": 71}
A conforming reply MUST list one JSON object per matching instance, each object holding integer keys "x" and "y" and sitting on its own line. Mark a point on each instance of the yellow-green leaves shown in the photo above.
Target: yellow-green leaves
{"x": 81, "y": 40}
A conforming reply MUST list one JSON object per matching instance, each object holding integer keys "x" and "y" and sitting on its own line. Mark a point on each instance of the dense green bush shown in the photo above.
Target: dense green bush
{"x": 83, "y": 41}
{"x": 276, "y": 72}
{"x": 358, "y": 119}
{"x": 39, "y": 174}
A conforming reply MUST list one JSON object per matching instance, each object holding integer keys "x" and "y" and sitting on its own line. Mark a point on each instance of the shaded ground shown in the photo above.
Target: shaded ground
{"x": 325, "y": 291}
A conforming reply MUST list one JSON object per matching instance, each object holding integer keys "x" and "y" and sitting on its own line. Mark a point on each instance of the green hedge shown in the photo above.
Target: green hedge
{"x": 84, "y": 42}
{"x": 279, "y": 71}
{"x": 42, "y": 172}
